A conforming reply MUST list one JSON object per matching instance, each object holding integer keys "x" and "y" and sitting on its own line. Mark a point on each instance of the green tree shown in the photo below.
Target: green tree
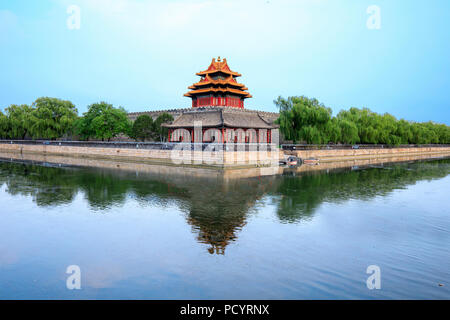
{"x": 288, "y": 127}
{"x": 161, "y": 132}
{"x": 433, "y": 132}
{"x": 365, "y": 121}
{"x": 425, "y": 133}
{"x": 143, "y": 128}
{"x": 349, "y": 131}
{"x": 404, "y": 131}
{"x": 333, "y": 131}
{"x": 52, "y": 118}
{"x": 104, "y": 122}
{"x": 20, "y": 120}
{"x": 4, "y": 126}
{"x": 443, "y": 133}
{"x": 303, "y": 119}
{"x": 83, "y": 126}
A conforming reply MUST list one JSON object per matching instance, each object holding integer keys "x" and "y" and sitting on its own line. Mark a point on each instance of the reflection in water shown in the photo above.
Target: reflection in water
{"x": 216, "y": 209}
{"x": 301, "y": 195}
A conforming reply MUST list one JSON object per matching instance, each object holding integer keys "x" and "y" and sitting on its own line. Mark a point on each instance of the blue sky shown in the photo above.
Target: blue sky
{"x": 142, "y": 55}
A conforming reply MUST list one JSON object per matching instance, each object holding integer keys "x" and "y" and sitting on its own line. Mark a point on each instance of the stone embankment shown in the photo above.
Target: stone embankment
{"x": 332, "y": 155}
{"x": 222, "y": 159}
{"x": 176, "y": 156}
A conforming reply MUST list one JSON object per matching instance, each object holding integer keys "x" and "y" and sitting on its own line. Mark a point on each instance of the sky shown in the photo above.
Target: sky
{"x": 389, "y": 56}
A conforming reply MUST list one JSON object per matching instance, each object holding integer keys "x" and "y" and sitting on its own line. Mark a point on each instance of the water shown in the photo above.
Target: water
{"x": 312, "y": 236}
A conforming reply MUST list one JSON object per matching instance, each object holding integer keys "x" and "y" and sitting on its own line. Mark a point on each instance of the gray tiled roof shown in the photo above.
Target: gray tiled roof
{"x": 225, "y": 116}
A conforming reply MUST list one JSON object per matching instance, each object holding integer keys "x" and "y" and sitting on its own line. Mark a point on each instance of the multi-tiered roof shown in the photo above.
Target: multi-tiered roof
{"x": 218, "y": 87}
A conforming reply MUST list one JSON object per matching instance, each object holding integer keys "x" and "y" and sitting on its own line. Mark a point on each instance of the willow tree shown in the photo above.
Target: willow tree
{"x": 404, "y": 131}
{"x": 303, "y": 119}
{"x": 443, "y": 132}
{"x": 349, "y": 131}
{"x": 19, "y": 120}
{"x": 52, "y": 118}
{"x": 425, "y": 133}
{"x": 4, "y": 126}
{"x": 333, "y": 131}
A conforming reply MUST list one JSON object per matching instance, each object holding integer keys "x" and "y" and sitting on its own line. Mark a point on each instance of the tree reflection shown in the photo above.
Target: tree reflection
{"x": 216, "y": 209}
{"x": 300, "y": 196}
{"x": 47, "y": 186}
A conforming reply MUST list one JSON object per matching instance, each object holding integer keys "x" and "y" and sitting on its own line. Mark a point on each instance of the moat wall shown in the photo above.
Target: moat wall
{"x": 178, "y": 173}
{"x": 220, "y": 159}
{"x": 333, "y": 155}
{"x": 155, "y": 156}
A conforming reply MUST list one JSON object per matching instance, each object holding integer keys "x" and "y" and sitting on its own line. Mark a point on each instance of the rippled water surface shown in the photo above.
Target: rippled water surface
{"x": 137, "y": 235}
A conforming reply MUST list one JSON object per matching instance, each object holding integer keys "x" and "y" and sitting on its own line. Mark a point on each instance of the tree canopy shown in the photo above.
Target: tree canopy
{"x": 144, "y": 128}
{"x": 52, "y": 118}
{"x": 4, "y": 126}
{"x": 103, "y": 121}
{"x": 307, "y": 120}
{"x": 19, "y": 120}
{"x": 301, "y": 119}
{"x": 161, "y": 132}
{"x": 304, "y": 119}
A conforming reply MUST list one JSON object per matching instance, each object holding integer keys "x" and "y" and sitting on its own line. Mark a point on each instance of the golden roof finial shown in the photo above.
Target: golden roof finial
{"x": 218, "y": 59}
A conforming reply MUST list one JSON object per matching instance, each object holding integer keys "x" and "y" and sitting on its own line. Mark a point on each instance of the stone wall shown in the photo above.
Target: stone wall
{"x": 181, "y": 172}
{"x": 219, "y": 158}
{"x": 175, "y": 113}
{"x": 167, "y": 157}
{"x": 345, "y": 154}
{"x": 156, "y": 170}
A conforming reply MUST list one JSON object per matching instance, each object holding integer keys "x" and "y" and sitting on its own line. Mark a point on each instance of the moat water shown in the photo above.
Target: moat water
{"x": 308, "y": 236}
